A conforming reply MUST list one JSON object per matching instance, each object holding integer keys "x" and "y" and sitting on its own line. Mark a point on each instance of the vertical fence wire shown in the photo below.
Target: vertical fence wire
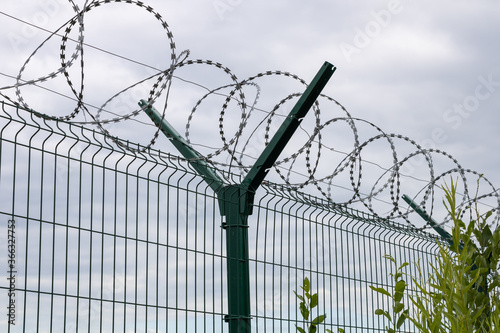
{"x": 108, "y": 240}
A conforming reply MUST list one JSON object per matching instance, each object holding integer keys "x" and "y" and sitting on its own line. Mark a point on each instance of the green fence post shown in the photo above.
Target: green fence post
{"x": 236, "y": 201}
{"x": 235, "y": 206}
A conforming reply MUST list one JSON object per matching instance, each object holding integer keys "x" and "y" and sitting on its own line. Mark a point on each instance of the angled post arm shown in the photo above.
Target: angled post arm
{"x": 192, "y": 156}
{"x": 443, "y": 233}
{"x": 272, "y": 151}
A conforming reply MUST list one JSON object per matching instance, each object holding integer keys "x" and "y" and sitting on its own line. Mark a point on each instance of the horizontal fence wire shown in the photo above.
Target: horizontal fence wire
{"x": 113, "y": 240}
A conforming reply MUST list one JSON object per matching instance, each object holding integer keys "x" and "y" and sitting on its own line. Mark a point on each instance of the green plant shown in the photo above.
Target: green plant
{"x": 474, "y": 262}
{"x": 460, "y": 293}
{"x": 308, "y": 302}
{"x": 399, "y": 314}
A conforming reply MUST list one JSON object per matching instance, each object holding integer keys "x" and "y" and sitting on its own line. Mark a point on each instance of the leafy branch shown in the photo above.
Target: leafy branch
{"x": 460, "y": 293}
{"x": 308, "y": 302}
{"x": 399, "y": 315}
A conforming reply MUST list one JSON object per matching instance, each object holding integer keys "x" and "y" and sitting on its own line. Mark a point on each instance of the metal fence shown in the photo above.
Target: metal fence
{"x": 98, "y": 238}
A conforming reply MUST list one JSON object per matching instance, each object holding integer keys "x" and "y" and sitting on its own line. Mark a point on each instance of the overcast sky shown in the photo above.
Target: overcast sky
{"x": 424, "y": 69}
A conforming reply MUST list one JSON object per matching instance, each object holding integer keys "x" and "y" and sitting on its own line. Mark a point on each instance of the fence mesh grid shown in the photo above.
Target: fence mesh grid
{"x": 107, "y": 240}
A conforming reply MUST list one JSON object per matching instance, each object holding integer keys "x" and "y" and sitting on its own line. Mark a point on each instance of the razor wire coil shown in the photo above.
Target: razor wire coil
{"x": 235, "y": 146}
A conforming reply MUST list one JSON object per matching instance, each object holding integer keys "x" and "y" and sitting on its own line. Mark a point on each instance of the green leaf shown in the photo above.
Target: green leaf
{"x": 476, "y": 316}
{"x": 381, "y": 290}
{"x": 398, "y": 296}
{"x": 401, "y": 319}
{"x": 304, "y": 311}
{"x": 307, "y": 285}
{"x": 380, "y": 312}
{"x": 319, "y": 319}
{"x": 314, "y": 301}
{"x": 486, "y": 236}
{"x": 437, "y": 322}
{"x": 399, "y": 290}
{"x": 398, "y": 307}
{"x": 400, "y": 286}
{"x": 300, "y": 329}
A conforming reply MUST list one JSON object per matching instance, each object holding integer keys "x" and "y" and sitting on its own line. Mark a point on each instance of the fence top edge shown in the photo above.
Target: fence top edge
{"x": 92, "y": 136}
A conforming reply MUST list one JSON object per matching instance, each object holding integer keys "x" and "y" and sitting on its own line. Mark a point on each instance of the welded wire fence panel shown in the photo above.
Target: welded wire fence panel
{"x": 99, "y": 238}
{"x": 105, "y": 240}
{"x": 340, "y": 251}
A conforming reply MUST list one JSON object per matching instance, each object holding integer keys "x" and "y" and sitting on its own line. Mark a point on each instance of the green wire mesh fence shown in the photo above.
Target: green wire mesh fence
{"x": 101, "y": 239}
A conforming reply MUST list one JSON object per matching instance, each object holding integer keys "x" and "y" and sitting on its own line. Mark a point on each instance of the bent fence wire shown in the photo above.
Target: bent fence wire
{"x": 107, "y": 240}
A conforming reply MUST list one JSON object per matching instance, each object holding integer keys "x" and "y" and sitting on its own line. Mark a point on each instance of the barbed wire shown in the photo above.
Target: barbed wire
{"x": 232, "y": 154}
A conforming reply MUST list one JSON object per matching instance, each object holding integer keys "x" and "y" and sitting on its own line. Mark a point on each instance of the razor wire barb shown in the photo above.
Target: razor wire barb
{"x": 231, "y": 154}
